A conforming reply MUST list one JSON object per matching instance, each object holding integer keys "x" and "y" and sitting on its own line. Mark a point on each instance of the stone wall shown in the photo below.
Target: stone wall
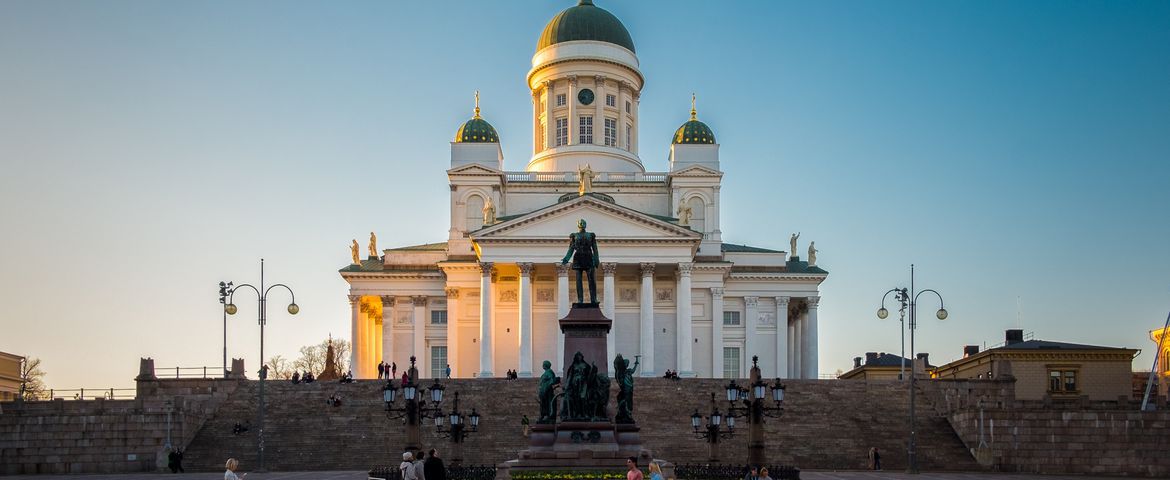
{"x": 1054, "y": 441}
{"x": 89, "y": 436}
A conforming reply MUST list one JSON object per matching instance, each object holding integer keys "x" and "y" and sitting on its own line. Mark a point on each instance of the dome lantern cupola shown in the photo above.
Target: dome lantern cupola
{"x": 694, "y": 131}
{"x": 476, "y": 130}
{"x": 585, "y": 21}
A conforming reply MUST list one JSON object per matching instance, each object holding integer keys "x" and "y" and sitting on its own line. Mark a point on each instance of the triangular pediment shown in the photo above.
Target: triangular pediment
{"x": 697, "y": 171}
{"x": 473, "y": 169}
{"x": 609, "y": 221}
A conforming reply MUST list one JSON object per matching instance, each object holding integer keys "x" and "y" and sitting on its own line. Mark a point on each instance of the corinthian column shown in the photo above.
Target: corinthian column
{"x": 453, "y": 330}
{"x": 485, "y": 320}
{"x": 646, "y": 320}
{"x": 751, "y": 342}
{"x": 420, "y": 334}
{"x": 525, "y": 368}
{"x": 686, "y": 343}
{"x": 607, "y": 307}
{"x": 562, "y": 312}
{"x": 782, "y": 337}
{"x": 810, "y": 340}
{"x": 717, "y": 333}
{"x": 355, "y": 335}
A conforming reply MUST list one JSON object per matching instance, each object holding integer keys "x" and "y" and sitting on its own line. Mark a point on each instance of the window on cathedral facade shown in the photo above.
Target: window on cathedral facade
{"x": 611, "y": 132}
{"x": 730, "y": 362}
{"x": 438, "y": 361}
{"x": 562, "y": 131}
{"x": 610, "y": 100}
{"x": 629, "y": 135}
{"x": 627, "y": 106}
{"x": 438, "y": 317}
{"x": 560, "y": 99}
{"x": 585, "y": 129}
{"x": 731, "y": 318}
{"x": 540, "y": 140}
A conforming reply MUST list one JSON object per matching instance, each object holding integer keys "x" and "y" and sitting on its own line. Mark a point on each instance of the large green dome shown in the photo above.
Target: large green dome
{"x": 585, "y": 22}
{"x": 694, "y": 131}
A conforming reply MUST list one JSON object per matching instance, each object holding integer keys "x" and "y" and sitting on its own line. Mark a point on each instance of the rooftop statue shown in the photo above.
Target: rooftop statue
{"x": 812, "y": 254}
{"x": 373, "y": 245}
{"x": 489, "y": 212}
{"x": 684, "y": 214}
{"x": 792, "y": 244}
{"x": 583, "y": 251}
{"x": 585, "y": 178}
{"x": 353, "y": 250}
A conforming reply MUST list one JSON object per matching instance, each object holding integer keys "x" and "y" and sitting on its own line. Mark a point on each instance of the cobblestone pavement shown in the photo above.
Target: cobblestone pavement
{"x": 805, "y": 475}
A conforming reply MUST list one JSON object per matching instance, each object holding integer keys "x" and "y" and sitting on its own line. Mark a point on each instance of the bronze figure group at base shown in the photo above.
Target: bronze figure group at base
{"x": 585, "y": 396}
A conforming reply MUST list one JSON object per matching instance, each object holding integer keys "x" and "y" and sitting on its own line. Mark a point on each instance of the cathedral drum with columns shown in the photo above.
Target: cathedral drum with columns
{"x": 488, "y": 299}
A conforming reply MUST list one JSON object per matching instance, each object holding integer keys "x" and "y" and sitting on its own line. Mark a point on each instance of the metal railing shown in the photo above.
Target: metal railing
{"x": 572, "y": 177}
{"x": 190, "y": 372}
{"x": 88, "y": 394}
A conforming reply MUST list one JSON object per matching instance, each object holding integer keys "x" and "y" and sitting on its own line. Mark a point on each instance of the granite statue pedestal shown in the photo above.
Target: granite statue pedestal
{"x": 582, "y": 445}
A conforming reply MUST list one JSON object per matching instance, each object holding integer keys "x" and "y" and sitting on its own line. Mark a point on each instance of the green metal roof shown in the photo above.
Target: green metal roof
{"x": 427, "y": 247}
{"x": 693, "y": 132}
{"x": 585, "y": 21}
{"x": 476, "y": 130}
{"x": 735, "y": 248}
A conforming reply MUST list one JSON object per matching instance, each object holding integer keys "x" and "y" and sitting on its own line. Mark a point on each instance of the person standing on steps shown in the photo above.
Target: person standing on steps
{"x": 231, "y": 466}
{"x": 875, "y": 459}
{"x": 433, "y": 468}
{"x": 524, "y": 425}
{"x": 406, "y": 468}
{"x": 419, "y": 465}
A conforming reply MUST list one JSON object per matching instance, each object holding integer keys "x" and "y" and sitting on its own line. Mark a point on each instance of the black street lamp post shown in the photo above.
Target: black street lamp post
{"x": 231, "y": 309}
{"x": 752, "y": 407}
{"x": 458, "y": 428}
{"x": 224, "y": 289}
{"x": 414, "y": 408}
{"x": 712, "y": 431}
{"x": 909, "y": 297}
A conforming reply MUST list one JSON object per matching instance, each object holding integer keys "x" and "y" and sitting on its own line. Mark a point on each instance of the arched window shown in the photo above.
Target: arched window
{"x": 698, "y": 214}
{"x": 474, "y": 213}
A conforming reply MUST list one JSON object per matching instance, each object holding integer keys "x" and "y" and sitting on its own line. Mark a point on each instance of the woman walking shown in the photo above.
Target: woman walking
{"x": 231, "y": 465}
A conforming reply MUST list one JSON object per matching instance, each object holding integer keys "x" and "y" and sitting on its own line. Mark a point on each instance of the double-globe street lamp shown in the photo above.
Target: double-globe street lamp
{"x": 458, "y": 428}
{"x": 231, "y": 309}
{"x": 712, "y": 431}
{"x": 909, "y": 297}
{"x": 224, "y": 288}
{"x": 752, "y": 407}
{"x": 415, "y": 408}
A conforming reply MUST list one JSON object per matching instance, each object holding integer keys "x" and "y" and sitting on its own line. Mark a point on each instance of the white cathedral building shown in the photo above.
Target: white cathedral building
{"x": 487, "y": 300}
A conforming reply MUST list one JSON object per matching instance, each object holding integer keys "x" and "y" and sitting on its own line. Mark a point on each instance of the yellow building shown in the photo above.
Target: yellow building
{"x": 1045, "y": 369}
{"x": 9, "y": 376}
{"x": 1163, "y": 365}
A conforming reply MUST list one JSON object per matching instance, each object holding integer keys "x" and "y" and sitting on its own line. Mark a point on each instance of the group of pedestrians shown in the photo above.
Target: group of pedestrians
{"x": 387, "y": 370}
{"x": 415, "y": 467}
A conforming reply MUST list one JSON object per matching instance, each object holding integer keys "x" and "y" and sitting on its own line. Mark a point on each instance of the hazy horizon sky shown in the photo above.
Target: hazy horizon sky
{"x": 1016, "y": 152}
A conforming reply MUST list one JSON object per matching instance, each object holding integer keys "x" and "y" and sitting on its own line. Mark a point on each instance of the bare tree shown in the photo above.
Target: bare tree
{"x": 279, "y": 368}
{"x": 32, "y": 380}
{"x": 312, "y": 357}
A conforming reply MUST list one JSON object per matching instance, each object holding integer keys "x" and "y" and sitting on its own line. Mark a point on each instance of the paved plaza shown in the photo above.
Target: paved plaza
{"x": 357, "y": 475}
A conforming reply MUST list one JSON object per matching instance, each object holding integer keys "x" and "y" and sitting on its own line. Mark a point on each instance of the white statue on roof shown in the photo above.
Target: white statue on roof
{"x": 792, "y": 244}
{"x": 585, "y": 178}
{"x": 489, "y": 212}
{"x": 812, "y": 254}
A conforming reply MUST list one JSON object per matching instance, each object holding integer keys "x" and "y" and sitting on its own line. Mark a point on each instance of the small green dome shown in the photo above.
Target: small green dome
{"x": 585, "y": 22}
{"x": 476, "y": 130}
{"x": 694, "y": 131}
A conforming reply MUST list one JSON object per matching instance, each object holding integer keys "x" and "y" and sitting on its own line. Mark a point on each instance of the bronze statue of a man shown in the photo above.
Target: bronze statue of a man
{"x": 583, "y": 251}
{"x": 546, "y": 393}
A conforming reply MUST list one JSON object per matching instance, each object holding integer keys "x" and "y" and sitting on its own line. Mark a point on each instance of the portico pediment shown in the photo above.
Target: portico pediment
{"x": 697, "y": 171}
{"x": 474, "y": 169}
{"x": 624, "y": 235}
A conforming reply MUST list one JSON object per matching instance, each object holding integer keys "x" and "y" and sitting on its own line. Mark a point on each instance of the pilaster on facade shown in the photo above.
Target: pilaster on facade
{"x": 717, "y": 332}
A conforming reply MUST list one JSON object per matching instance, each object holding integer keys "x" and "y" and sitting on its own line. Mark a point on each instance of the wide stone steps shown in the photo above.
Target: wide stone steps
{"x": 826, "y": 424}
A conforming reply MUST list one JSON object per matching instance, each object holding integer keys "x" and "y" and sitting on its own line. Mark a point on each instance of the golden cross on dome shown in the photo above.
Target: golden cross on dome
{"x": 693, "y": 114}
{"x": 477, "y": 104}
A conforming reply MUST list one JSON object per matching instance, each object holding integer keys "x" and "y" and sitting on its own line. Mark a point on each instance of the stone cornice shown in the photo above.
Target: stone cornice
{"x": 681, "y": 233}
{"x": 1054, "y": 356}
{"x": 436, "y": 275}
{"x": 778, "y": 276}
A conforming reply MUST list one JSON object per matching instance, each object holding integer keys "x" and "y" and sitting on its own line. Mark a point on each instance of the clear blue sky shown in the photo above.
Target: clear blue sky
{"x": 150, "y": 149}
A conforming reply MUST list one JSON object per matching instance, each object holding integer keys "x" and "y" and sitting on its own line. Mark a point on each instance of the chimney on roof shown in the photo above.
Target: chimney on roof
{"x": 870, "y": 357}
{"x": 856, "y": 362}
{"x": 1013, "y": 336}
{"x": 970, "y": 350}
{"x": 925, "y": 357}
